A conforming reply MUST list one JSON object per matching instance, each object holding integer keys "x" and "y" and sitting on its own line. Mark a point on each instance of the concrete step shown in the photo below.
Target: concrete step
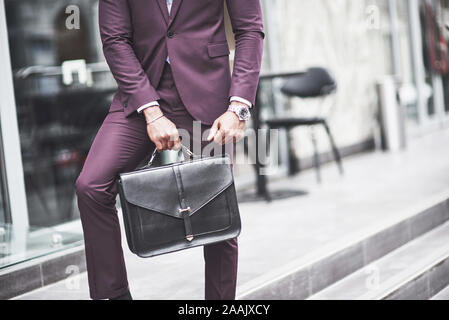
{"x": 417, "y": 271}
{"x": 311, "y": 274}
{"x": 442, "y": 295}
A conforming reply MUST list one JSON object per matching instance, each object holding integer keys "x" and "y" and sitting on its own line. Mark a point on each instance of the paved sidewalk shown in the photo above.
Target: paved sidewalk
{"x": 376, "y": 186}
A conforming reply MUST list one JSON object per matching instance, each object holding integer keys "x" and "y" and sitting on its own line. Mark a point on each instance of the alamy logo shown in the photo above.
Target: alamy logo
{"x": 72, "y": 22}
{"x": 72, "y": 282}
{"x": 372, "y": 17}
{"x": 373, "y": 277}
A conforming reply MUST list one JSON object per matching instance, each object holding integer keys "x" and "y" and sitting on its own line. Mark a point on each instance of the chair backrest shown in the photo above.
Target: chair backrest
{"x": 316, "y": 82}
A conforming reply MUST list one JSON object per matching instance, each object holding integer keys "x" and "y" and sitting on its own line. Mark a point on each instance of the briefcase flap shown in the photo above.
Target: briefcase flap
{"x": 156, "y": 189}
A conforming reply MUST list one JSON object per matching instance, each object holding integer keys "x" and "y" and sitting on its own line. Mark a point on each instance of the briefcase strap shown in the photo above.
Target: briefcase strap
{"x": 185, "y": 209}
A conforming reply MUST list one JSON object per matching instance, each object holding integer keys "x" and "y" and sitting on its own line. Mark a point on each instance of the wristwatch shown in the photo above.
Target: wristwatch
{"x": 241, "y": 111}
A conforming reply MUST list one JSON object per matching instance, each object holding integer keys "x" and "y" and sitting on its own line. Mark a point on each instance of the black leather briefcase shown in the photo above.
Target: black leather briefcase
{"x": 179, "y": 206}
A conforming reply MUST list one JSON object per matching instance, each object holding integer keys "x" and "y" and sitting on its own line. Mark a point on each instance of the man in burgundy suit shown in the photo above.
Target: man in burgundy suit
{"x": 170, "y": 59}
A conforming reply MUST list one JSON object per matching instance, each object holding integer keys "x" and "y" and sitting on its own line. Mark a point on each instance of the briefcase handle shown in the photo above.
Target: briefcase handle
{"x": 183, "y": 148}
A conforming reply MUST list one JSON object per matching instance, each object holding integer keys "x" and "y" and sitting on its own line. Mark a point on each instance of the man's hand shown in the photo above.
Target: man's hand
{"x": 227, "y": 128}
{"x": 161, "y": 131}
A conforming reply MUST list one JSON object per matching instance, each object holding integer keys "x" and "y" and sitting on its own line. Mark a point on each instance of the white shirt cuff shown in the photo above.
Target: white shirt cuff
{"x": 239, "y": 99}
{"x": 148, "y": 105}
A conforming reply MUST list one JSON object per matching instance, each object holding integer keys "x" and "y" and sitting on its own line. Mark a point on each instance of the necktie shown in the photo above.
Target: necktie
{"x": 169, "y": 4}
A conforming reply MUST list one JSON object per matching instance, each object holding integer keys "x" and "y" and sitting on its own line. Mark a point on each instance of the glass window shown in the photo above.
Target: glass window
{"x": 4, "y": 214}
{"x": 63, "y": 90}
{"x": 2, "y": 206}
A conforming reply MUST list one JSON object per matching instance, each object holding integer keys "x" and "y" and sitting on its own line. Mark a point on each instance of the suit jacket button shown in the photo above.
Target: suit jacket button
{"x": 170, "y": 34}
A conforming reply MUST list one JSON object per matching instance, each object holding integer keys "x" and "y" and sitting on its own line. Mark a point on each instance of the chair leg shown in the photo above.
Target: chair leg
{"x": 316, "y": 156}
{"x": 335, "y": 150}
{"x": 292, "y": 160}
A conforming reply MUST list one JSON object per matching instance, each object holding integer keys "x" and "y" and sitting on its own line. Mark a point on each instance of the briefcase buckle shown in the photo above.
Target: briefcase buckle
{"x": 189, "y": 237}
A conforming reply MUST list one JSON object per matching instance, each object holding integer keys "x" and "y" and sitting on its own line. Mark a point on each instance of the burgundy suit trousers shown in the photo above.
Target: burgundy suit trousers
{"x": 121, "y": 144}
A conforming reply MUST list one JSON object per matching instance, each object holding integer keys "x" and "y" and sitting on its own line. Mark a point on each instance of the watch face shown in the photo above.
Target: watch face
{"x": 244, "y": 114}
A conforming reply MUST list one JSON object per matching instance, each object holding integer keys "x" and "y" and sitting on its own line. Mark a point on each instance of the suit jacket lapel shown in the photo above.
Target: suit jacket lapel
{"x": 174, "y": 10}
{"x": 163, "y": 6}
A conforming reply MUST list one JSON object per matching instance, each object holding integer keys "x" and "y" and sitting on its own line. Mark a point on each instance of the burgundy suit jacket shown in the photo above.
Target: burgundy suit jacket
{"x": 138, "y": 35}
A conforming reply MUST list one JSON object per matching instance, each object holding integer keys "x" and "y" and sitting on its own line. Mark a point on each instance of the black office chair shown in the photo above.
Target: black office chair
{"x": 315, "y": 83}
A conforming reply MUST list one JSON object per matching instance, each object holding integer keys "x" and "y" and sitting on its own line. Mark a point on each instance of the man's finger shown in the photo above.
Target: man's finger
{"x": 230, "y": 135}
{"x": 174, "y": 137}
{"x": 163, "y": 142}
{"x": 159, "y": 146}
{"x": 213, "y": 131}
{"x": 170, "y": 144}
{"x": 238, "y": 137}
{"x": 229, "y": 139}
{"x": 177, "y": 145}
{"x": 219, "y": 137}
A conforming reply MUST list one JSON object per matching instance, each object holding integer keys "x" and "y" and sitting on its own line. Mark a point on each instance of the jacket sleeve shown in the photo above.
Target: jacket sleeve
{"x": 247, "y": 24}
{"x": 117, "y": 35}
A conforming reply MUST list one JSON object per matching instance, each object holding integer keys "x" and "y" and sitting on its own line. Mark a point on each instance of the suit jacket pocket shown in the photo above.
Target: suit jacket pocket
{"x": 218, "y": 49}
